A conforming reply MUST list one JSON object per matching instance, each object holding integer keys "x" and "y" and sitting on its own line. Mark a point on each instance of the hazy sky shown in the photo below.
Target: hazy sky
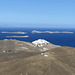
{"x": 38, "y": 13}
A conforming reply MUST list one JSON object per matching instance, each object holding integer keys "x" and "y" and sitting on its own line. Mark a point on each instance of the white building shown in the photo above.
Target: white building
{"x": 40, "y": 42}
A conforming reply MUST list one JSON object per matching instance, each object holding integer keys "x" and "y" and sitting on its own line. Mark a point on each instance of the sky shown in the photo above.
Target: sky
{"x": 37, "y": 13}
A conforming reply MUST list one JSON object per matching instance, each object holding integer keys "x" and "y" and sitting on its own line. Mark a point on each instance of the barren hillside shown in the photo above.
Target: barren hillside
{"x": 33, "y": 60}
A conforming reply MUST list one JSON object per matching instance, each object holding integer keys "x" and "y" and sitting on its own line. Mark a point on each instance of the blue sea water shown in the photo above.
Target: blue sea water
{"x": 63, "y": 39}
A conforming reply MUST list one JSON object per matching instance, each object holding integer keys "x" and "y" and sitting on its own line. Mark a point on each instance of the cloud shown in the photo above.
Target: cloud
{"x": 51, "y": 32}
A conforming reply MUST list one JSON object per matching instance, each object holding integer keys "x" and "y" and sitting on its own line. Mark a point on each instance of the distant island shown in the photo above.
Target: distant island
{"x": 17, "y": 36}
{"x": 15, "y": 32}
{"x": 51, "y": 32}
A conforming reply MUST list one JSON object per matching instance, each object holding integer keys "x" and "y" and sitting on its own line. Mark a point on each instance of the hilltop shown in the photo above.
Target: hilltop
{"x": 37, "y": 58}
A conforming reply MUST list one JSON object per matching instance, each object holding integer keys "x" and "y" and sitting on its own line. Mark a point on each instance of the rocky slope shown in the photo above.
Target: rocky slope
{"x": 33, "y": 60}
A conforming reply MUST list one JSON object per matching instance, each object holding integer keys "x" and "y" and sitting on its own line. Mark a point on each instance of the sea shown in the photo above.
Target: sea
{"x": 57, "y": 36}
